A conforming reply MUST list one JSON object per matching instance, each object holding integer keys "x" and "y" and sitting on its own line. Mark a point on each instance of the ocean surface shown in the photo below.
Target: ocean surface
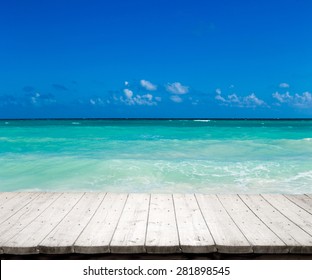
{"x": 206, "y": 156}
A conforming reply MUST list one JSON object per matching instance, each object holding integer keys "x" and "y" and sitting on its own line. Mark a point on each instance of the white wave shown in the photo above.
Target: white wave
{"x": 202, "y": 120}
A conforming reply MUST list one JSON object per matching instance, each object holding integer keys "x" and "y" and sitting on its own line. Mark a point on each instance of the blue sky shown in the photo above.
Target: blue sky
{"x": 155, "y": 58}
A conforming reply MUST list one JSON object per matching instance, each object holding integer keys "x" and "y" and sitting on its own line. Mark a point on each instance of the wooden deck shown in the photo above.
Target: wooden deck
{"x": 97, "y": 223}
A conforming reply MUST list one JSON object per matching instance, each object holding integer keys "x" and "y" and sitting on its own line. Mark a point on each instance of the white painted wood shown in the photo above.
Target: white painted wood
{"x": 293, "y": 212}
{"x": 28, "y": 239}
{"x": 302, "y": 201}
{"x": 62, "y": 238}
{"x": 297, "y": 240}
{"x": 193, "y": 232}
{"x": 129, "y": 236}
{"x": 227, "y": 236}
{"x": 25, "y": 216}
{"x": 6, "y": 196}
{"x": 74, "y": 222}
{"x": 162, "y": 235}
{"x": 14, "y": 205}
{"x": 97, "y": 235}
{"x": 262, "y": 239}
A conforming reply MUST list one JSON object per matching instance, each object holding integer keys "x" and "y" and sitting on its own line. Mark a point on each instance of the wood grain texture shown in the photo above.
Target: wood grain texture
{"x": 12, "y": 206}
{"x": 257, "y": 233}
{"x": 97, "y": 235}
{"x": 25, "y": 216}
{"x": 292, "y": 211}
{"x": 6, "y": 196}
{"x": 162, "y": 235}
{"x": 302, "y": 201}
{"x": 194, "y": 234}
{"x": 62, "y": 238}
{"x": 227, "y": 236}
{"x": 293, "y": 236}
{"x": 28, "y": 239}
{"x": 91, "y": 223}
{"x": 130, "y": 233}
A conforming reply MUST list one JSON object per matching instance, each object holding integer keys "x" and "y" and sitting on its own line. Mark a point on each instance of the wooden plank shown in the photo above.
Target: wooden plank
{"x": 14, "y": 205}
{"x": 62, "y": 238}
{"x": 162, "y": 235}
{"x": 293, "y": 212}
{"x": 227, "y": 236}
{"x": 129, "y": 236}
{"x": 302, "y": 201}
{"x": 262, "y": 239}
{"x": 97, "y": 235}
{"x": 194, "y": 234}
{"x": 6, "y": 196}
{"x": 28, "y": 239}
{"x": 297, "y": 240}
{"x": 25, "y": 216}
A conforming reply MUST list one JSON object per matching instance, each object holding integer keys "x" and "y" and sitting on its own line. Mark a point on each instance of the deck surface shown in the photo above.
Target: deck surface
{"x": 118, "y": 223}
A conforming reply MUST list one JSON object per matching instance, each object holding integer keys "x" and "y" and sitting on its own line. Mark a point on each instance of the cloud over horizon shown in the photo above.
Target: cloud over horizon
{"x": 177, "y": 88}
{"x": 148, "y": 85}
{"x": 303, "y": 100}
{"x": 249, "y": 101}
{"x": 284, "y": 85}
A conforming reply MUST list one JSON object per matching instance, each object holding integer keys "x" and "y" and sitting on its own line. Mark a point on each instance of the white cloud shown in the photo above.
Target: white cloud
{"x": 249, "y": 101}
{"x": 252, "y": 101}
{"x": 303, "y": 100}
{"x": 130, "y": 99}
{"x": 128, "y": 93}
{"x": 284, "y": 85}
{"x": 218, "y": 91}
{"x": 126, "y": 83}
{"x": 233, "y": 98}
{"x": 176, "y": 98}
{"x": 148, "y": 85}
{"x": 158, "y": 98}
{"x": 177, "y": 88}
{"x": 148, "y": 96}
{"x": 38, "y": 99}
{"x": 283, "y": 98}
{"x": 96, "y": 101}
{"x": 220, "y": 98}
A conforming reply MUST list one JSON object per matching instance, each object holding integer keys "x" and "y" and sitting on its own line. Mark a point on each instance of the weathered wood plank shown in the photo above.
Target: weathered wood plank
{"x": 97, "y": 235}
{"x": 302, "y": 201}
{"x": 14, "y": 205}
{"x": 130, "y": 233}
{"x": 297, "y": 240}
{"x": 293, "y": 212}
{"x": 193, "y": 232}
{"x": 162, "y": 235}
{"x": 28, "y": 239}
{"x": 263, "y": 240}
{"x": 25, "y": 216}
{"x": 6, "y": 196}
{"x": 227, "y": 236}
{"x": 62, "y": 238}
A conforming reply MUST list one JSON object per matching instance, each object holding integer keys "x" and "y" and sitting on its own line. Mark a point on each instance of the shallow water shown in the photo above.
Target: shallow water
{"x": 208, "y": 156}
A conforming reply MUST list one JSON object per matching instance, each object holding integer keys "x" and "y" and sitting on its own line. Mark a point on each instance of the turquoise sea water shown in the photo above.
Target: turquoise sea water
{"x": 208, "y": 156}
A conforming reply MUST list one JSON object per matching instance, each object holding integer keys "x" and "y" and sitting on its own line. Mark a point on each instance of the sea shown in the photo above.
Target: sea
{"x": 157, "y": 156}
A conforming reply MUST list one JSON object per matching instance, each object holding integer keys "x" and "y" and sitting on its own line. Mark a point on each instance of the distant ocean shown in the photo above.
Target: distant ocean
{"x": 206, "y": 156}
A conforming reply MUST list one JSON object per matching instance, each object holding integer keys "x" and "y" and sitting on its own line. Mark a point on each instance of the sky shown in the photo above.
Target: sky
{"x": 155, "y": 59}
